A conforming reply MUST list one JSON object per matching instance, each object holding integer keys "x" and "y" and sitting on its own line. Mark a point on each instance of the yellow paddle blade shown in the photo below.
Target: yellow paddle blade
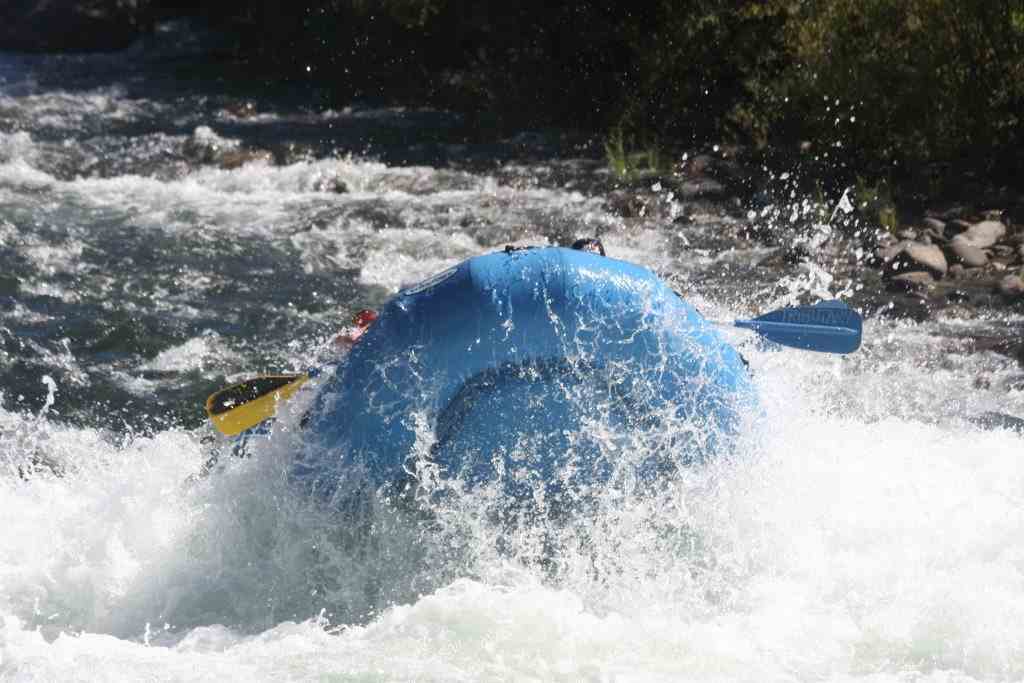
{"x": 244, "y": 405}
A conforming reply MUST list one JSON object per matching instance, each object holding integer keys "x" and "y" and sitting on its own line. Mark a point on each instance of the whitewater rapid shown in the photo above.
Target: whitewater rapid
{"x": 848, "y": 549}
{"x": 867, "y": 531}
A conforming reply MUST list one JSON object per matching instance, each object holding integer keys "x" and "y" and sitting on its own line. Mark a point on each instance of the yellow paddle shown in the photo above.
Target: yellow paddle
{"x": 244, "y": 405}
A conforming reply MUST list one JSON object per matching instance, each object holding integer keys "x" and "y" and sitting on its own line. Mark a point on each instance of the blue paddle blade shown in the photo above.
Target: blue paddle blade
{"x": 828, "y": 327}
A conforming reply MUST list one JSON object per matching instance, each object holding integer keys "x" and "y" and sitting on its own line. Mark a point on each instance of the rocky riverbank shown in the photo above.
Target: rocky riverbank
{"x": 955, "y": 256}
{"x": 968, "y": 257}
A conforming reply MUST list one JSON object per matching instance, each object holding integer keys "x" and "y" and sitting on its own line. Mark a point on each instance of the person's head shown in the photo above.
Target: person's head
{"x": 591, "y": 244}
{"x": 364, "y": 318}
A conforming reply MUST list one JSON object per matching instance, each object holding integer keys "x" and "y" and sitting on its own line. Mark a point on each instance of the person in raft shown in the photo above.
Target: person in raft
{"x": 591, "y": 244}
{"x": 360, "y": 322}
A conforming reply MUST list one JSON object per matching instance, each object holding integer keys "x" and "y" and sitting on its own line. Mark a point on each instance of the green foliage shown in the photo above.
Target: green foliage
{"x": 695, "y": 63}
{"x": 630, "y": 162}
{"x": 875, "y": 200}
{"x": 890, "y": 88}
{"x": 932, "y": 88}
{"x": 908, "y": 81}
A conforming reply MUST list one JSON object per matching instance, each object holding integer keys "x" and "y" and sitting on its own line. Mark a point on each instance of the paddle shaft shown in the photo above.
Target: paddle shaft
{"x": 828, "y": 327}
{"x": 767, "y": 328}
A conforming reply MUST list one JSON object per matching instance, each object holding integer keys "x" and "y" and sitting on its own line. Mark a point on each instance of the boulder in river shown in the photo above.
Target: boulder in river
{"x": 967, "y": 253}
{"x": 996, "y": 420}
{"x": 887, "y": 252}
{"x": 236, "y": 158}
{"x": 929, "y": 256}
{"x": 934, "y": 226}
{"x": 915, "y": 256}
{"x": 911, "y": 281}
{"x": 957, "y": 226}
{"x": 1012, "y": 287}
{"x": 985, "y": 233}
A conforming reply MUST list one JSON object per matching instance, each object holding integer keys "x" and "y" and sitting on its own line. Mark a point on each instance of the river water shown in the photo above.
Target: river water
{"x": 870, "y": 531}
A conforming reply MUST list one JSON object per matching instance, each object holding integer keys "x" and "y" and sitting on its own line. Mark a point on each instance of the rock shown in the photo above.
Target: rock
{"x": 236, "y": 158}
{"x": 933, "y": 236}
{"x": 1011, "y": 348}
{"x": 911, "y": 281}
{"x": 331, "y": 184}
{"x": 915, "y": 256}
{"x": 934, "y": 226}
{"x": 72, "y": 25}
{"x": 899, "y": 306}
{"x": 967, "y": 253}
{"x": 996, "y": 420}
{"x": 242, "y": 110}
{"x": 701, "y": 187}
{"x": 625, "y": 204}
{"x": 929, "y": 256}
{"x": 1012, "y": 287}
{"x": 884, "y": 238}
{"x": 889, "y": 252}
{"x": 206, "y": 147}
{"x": 957, "y": 226}
{"x": 985, "y": 233}
{"x": 957, "y": 296}
{"x": 698, "y": 165}
{"x": 957, "y": 271}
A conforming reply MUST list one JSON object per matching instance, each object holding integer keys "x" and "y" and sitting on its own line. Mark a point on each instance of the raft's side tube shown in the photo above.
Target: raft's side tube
{"x": 469, "y": 365}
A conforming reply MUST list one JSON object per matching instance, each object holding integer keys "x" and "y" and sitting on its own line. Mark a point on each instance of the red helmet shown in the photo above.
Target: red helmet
{"x": 364, "y": 317}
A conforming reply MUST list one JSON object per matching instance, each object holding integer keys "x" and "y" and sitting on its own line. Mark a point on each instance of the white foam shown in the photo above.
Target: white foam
{"x": 405, "y": 257}
{"x": 195, "y": 354}
{"x": 20, "y": 174}
{"x": 69, "y": 110}
{"x": 17, "y": 145}
{"x": 849, "y": 551}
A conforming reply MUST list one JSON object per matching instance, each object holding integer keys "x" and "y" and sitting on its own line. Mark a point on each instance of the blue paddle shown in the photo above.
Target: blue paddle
{"x": 827, "y": 326}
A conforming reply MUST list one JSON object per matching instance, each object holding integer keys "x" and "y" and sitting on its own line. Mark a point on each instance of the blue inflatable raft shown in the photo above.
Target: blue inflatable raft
{"x": 543, "y": 371}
